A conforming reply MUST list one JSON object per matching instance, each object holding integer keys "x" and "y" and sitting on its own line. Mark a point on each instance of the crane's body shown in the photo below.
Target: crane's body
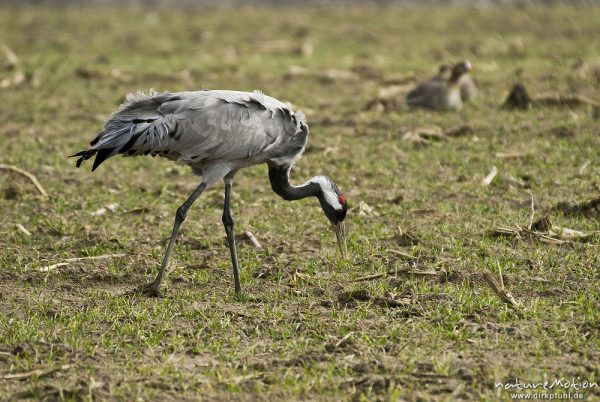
{"x": 216, "y": 133}
{"x": 211, "y": 131}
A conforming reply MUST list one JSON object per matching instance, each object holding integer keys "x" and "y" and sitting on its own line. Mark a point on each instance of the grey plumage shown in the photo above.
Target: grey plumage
{"x": 217, "y": 133}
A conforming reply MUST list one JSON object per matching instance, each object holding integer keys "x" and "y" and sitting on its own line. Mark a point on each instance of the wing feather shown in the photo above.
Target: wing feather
{"x": 198, "y": 126}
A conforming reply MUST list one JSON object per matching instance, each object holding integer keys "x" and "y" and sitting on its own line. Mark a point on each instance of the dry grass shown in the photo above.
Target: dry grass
{"x": 373, "y": 328}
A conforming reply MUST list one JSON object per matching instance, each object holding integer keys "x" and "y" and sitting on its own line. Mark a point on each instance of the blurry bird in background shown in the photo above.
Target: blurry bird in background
{"x": 467, "y": 84}
{"x": 445, "y": 91}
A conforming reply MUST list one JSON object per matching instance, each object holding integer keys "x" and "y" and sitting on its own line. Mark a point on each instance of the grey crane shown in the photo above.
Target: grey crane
{"x": 216, "y": 133}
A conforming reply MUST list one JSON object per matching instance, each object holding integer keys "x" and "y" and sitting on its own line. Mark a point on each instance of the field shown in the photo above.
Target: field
{"x": 409, "y": 315}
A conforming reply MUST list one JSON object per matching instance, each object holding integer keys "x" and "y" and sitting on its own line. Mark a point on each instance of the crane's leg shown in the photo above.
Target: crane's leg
{"x": 228, "y": 223}
{"x": 153, "y": 289}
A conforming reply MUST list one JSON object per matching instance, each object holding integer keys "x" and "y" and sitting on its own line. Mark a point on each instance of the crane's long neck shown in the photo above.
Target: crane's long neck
{"x": 280, "y": 183}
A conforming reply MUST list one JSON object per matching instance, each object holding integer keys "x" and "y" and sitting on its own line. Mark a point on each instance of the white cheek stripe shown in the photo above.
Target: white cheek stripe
{"x": 330, "y": 196}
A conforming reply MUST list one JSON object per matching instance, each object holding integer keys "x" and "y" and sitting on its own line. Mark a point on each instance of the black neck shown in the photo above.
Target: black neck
{"x": 455, "y": 77}
{"x": 280, "y": 183}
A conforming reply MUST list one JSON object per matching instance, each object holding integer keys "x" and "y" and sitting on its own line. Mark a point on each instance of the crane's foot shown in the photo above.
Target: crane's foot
{"x": 151, "y": 290}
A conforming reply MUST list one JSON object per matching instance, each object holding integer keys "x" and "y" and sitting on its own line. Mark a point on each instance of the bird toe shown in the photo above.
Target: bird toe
{"x": 151, "y": 290}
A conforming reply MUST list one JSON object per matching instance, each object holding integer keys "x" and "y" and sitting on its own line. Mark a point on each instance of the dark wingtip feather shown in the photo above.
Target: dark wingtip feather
{"x": 130, "y": 143}
{"x": 78, "y": 154}
{"x": 101, "y": 157}
{"x": 84, "y": 155}
{"x": 95, "y": 140}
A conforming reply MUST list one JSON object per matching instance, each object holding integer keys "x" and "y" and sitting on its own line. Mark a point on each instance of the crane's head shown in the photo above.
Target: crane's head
{"x": 335, "y": 207}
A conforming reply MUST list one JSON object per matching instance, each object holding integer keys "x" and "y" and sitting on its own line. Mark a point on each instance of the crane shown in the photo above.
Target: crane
{"x": 216, "y": 133}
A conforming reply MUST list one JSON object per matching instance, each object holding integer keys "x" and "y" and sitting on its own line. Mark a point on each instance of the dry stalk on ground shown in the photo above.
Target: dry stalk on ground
{"x": 499, "y": 289}
{"x": 67, "y": 261}
{"x": 31, "y": 177}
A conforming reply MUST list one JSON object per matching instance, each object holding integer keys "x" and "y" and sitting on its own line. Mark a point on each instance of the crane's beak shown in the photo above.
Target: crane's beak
{"x": 340, "y": 233}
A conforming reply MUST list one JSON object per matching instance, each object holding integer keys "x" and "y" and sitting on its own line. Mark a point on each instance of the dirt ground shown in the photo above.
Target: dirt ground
{"x": 410, "y": 315}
